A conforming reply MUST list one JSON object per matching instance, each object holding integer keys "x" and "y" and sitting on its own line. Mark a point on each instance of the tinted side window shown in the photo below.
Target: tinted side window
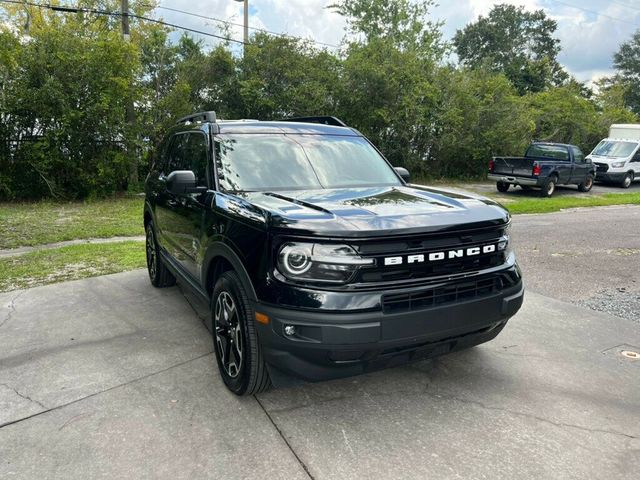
{"x": 578, "y": 155}
{"x": 189, "y": 151}
{"x": 177, "y": 157}
{"x": 197, "y": 155}
{"x": 162, "y": 156}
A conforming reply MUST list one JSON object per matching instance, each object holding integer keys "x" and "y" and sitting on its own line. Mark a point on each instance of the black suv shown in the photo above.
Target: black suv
{"x": 315, "y": 257}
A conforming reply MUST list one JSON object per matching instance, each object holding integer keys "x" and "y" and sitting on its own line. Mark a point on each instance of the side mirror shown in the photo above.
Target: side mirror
{"x": 181, "y": 182}
{"x": 404, "y": 173}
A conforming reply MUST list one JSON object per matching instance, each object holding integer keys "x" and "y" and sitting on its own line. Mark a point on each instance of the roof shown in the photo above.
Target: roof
{"x": 256, "y": 126}
{"x": 553, "y": 143}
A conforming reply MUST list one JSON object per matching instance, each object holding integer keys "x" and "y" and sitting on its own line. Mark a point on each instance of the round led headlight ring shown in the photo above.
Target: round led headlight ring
{"x": 296, "y": 260}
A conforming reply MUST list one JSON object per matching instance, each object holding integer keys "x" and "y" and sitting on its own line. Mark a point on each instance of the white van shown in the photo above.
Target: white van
{"x": 618, "y": 156}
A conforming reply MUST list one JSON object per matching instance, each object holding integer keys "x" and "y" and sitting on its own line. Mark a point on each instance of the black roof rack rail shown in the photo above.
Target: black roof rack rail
{"x": 199, "y": 117}
{"x": 326, "y": 120}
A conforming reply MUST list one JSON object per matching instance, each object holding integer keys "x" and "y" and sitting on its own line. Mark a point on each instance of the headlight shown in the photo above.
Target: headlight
{"x": 618, "y": 164}
{"x": 321, "y": 263}
{"x": 504, "y": 244}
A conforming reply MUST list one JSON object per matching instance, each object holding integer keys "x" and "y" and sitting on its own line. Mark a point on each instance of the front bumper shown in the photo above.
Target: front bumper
{"x": 530, "y": 182}
{"x": 334, "y": 344}
{"x": 609, "y": 176}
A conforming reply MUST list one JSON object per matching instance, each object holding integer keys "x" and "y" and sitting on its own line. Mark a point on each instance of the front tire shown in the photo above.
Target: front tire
{"x": 159, "y": 274}
{"x": 502, "y": 186}
{"x": 238, "y": 352}
{"x": 549, "y": 187}
{"x": 627, "y": 180}
{"x": 587, "y": 185}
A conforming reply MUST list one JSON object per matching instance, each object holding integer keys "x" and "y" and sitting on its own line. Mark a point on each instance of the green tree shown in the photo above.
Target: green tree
{"x": 516, "y": 42}
{"x": 564, "y": 115}
{"x": 281, "y": 77}
{"x": 386, "y": 88}
{"x": 627, "y": 62}
{"x": 480, "y": 115}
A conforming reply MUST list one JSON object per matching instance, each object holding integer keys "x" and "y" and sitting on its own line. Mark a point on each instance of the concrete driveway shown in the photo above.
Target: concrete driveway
{"x": 109, "y": 377}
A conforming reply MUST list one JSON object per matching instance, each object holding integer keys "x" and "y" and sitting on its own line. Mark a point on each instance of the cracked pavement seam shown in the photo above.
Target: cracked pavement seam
{"x": 22, "y": 395}
{"x": 528, "y": 415}
{"x": 115, "y": 387}
{"x": 12, "y": 308}
{"x": 465, "y": 401}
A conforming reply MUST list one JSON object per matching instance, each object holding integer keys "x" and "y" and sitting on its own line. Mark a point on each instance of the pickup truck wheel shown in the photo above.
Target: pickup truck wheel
{"x": 549, "y": 187}
{"x": 502, "y": 187}
{"x": 235, "y": 339}
{"x": 159, "y": 274}
{"x": 587, "y": 184}
{"x": 627, "y": 180}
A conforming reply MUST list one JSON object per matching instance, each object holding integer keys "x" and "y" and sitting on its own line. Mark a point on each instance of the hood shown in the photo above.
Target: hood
{"x": 369, "y": 211}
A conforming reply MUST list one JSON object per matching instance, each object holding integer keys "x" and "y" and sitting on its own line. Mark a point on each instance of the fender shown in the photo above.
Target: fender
{"x": 220, "y": 249}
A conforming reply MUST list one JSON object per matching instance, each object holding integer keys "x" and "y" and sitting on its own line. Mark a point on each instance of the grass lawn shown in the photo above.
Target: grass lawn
{"x": 554, "y": 204}
{"x": 69, "y": 263}
{"x": 30, "y": 224}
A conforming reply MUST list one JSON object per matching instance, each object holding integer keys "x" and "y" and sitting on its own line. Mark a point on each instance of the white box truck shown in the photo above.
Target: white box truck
{"x": 618, "y": 156}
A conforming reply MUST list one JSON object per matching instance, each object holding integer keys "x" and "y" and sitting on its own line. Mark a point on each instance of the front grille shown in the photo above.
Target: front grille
{"x": 446, "y": 294}
{"x": 602, "y": 167}
{"x": 420, "y": 271}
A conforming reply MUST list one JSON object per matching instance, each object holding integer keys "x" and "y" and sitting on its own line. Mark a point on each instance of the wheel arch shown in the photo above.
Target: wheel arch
{"x": 220, "y": 258}
{"x": 148, "y": 214}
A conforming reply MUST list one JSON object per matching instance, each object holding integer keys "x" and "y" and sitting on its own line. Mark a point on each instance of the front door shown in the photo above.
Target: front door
{"x": 181, "y": 215}
{"x": 580, "y": 166}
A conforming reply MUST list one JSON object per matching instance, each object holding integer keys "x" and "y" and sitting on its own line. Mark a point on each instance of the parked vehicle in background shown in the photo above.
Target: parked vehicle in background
{"x": 618, "y": 156}
{"x": 544, "y": 166}
{"x": 314, "y": 257}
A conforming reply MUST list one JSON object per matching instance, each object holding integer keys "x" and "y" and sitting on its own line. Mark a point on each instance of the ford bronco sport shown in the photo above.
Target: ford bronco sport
{"x": 315, "y": 257}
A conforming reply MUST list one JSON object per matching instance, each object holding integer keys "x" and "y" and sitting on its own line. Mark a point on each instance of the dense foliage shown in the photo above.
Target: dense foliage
{"x": 66, "y": 80}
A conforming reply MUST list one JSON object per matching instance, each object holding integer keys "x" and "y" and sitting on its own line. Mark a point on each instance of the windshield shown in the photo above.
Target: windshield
{"x": 254, "y": 162}
{"x": 548, "y": 151}
{"x": 612, "y": 148}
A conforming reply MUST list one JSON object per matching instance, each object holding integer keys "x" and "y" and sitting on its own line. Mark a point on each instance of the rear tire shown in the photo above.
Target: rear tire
{"x": 235, "y": 340}
{"x": 627, "y": 180}
{"x": 587, "y": 185}
{"x": 502, "y": 186}
{"x": 159, "y": 274}
{"x": 549, "y": 187}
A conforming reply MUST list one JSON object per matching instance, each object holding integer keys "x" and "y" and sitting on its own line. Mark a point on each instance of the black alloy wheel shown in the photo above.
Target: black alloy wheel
{"x": 228, "y": 333}
{"x": 235, "y": 338}
{"x": 159, "y": 275}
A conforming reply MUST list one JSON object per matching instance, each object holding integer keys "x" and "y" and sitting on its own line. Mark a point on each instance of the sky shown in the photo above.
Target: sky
{"x": 590, "y": 31}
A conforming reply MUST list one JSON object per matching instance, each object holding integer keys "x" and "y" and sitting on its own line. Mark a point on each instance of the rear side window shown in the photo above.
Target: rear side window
{"x": 548, "y": 151}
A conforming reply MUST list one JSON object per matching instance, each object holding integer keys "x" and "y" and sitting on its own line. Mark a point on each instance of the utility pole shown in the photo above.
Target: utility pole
{"x": 246, "y": 22}
{"x": 130, "y": 115}
{"x": 124, "y": 10}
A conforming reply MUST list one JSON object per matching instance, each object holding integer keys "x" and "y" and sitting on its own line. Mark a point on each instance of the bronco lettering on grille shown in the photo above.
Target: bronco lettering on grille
{"x": 443, "y": 255}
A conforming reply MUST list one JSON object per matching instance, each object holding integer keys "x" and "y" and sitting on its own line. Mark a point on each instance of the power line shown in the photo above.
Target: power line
{"x": 65, "y": 9}
{"x": 596, "y": 13}
{"x": 227, "y": 22}
{"x": 626, "y": 5}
